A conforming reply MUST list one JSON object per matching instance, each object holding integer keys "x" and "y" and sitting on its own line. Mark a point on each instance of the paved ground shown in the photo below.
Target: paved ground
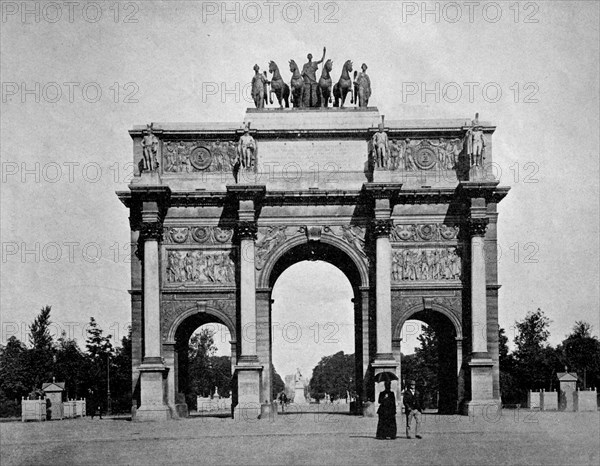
{"x": 309, "y": 438}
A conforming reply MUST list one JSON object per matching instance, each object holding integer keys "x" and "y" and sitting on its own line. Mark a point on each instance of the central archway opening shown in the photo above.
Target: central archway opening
{"x": 313, "y": 336}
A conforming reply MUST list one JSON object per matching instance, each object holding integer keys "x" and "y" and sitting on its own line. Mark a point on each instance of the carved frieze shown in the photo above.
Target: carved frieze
{"x": 268, "y": 239}
{"x": 198, "y": 235}
{"x": 424, "y": 232}
{"x": 199, "y": 268}
{"x": 354, "y": 235}
{"x": 421, "y": 154}
{"x": 426, "y": 264}
{"x": 199, "y": 156}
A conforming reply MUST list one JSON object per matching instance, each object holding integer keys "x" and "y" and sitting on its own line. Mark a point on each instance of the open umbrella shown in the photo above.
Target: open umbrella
{"x": 385, "y": 377}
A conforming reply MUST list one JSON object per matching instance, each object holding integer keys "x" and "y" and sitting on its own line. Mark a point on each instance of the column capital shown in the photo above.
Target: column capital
{"x": 477, "y": 226}
{"x": 151, "y": 231}
{"x": 382, "y": 227}
{"x": 246, "y": 229}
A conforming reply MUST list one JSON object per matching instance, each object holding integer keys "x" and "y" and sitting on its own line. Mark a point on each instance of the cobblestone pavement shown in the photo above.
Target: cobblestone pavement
{"x": 514, "y": 437}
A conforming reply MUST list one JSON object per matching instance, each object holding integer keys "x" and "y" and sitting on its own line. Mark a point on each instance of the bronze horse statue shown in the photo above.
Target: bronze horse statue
{"x": 296, "y": 85}
{"x": 343, "y": 86}
{"x": 325, "y": 83}
{"x": 278, "y": 87}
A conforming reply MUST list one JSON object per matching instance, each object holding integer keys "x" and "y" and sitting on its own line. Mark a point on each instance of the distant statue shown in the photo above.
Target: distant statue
{"x": 258, "y": 88}
{"x": 278, "y": 87}
{"x": 325, "y": 84}
{"x": 381, "y": 148}
{"x": 298, "y": 379}
{"x": 296, "y": 85}
{"x": 246, "y": 150}
{"x": 362, "y": 86}
{"x": 343, "y": 86}
{"x": 149, "y": 149}
{"x": 311, "y": 96}
{"x": 475, "y": 143}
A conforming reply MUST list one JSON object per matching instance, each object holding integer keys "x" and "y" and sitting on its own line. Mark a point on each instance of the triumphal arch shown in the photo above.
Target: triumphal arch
{"x": 405, "y": 209}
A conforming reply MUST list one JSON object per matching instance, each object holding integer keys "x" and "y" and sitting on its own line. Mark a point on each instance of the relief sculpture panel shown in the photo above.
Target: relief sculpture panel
{"x": 426, "y": 264}
{"x": 412, "y": 155}
{"x": 199, "y": 268}
{"x": 199, "y": 156}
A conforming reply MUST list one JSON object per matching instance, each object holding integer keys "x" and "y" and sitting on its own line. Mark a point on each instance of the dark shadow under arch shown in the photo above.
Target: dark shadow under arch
{"x": 184, "y": 330}
{"x": 447, "y": 332}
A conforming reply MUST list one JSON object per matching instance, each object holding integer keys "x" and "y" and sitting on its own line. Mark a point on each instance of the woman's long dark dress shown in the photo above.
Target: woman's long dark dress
{"x": 386, "y": 427}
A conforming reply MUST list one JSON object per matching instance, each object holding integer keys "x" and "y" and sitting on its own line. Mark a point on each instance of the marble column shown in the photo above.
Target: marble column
{"x": 384, "y": 358}
{"x": 153, "y": 402}
{"x": 480, "y": 363}
{"x": 248, "y": 369}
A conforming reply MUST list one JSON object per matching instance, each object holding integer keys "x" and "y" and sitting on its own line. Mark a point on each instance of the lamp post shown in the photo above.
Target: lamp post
{"x": 108, "y": 402}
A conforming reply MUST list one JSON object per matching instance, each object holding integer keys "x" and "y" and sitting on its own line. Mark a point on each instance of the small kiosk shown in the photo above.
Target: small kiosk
{"x": 54, "y": 391}
{"x": 568, "y": 386}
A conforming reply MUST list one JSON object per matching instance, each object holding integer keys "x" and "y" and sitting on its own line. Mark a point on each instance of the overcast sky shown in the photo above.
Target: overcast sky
{"x": 75, "y": 81}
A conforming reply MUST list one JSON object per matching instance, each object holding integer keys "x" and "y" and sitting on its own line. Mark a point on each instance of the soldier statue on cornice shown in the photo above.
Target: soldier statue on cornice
{"x": 149, "y": 149}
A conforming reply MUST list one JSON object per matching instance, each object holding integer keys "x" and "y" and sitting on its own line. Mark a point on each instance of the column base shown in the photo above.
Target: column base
{"x": 152, "y": 387}
{"x": 248, "y": 379}
{"x": 482, "y": 399}
{"x": 488, "y": 409}
{"x": 152, "y": 413}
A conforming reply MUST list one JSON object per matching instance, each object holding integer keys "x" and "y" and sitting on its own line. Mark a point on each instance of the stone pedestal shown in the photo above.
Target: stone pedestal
{"x": 152, "y": 399}
{"x": 482, "y": 397}
{"x": 249, "y": 405}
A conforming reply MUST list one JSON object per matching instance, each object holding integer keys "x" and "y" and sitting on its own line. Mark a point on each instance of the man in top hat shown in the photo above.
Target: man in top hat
{"x": 413, "y": 407}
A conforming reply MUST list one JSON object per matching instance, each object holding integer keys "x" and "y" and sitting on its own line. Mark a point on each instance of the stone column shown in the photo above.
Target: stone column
{"x": 397, "y": 351}
{"x": 248, "y": 369}
{"x": 384, "y": 358}
{"x": 152, "y": 370}
{"x": 480, "y": 363}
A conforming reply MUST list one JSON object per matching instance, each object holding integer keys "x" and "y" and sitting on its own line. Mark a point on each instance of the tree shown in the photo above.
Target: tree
{"x": 536, "y": 362}
{"x": 509, "y": 387}
{"x": 40, "y": 362}
{"x": 201, "y": 372}
{"x": 423, "y": 365}
{"x": 15, "y": 380}
{"x": 99, "y": 353}
{"x": 278, "y": 384}
{"x": 39, "y": 334}
{"x": 120, "y": 376}
{"x": 333, "y": 375}
{"x": 581, "y": 352}
{"x": 70, "y": 366}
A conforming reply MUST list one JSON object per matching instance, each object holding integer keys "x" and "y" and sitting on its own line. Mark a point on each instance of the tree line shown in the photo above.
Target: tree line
{"x": 100, "y": 367}
{"x": 533, "y": 365}
{"x": 86, "y": 373}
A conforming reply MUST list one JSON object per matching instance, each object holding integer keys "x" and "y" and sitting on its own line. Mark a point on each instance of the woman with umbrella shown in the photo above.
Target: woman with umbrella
{"x": 386, "y": 427}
